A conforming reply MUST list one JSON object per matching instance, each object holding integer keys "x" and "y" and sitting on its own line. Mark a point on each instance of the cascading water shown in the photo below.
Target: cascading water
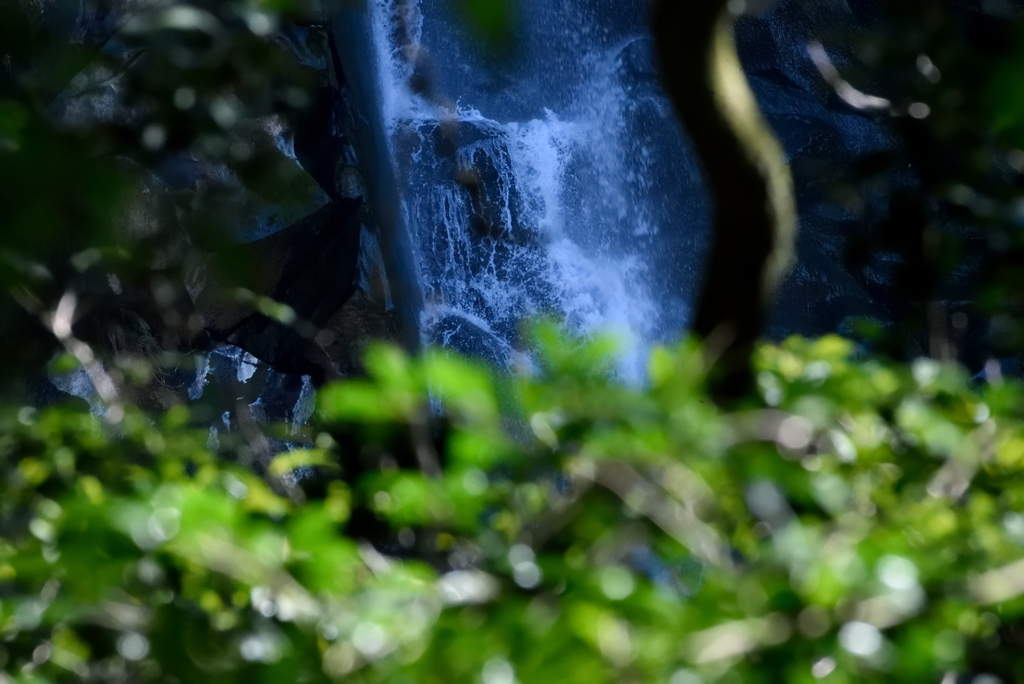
{"x": 555, "y": 180}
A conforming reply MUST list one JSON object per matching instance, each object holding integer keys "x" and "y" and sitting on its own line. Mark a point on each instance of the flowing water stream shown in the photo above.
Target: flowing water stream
{"x": 550, "y": 179}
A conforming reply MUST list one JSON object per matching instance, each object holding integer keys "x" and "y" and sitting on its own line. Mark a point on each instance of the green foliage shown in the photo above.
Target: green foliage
{"x": 856, "y": 520}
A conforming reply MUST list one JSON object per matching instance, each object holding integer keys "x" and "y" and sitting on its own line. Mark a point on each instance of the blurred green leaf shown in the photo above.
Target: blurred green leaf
{"x": 291, "y": 461}
{"x": 491, "y": 19}
{"x": 13, "y": 118}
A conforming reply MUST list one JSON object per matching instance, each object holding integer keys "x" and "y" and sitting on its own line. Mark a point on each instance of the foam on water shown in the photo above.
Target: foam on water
{"x": 540, "y": 150}
{"x": 600, "y": 296}
{"x": 397, "y": 27}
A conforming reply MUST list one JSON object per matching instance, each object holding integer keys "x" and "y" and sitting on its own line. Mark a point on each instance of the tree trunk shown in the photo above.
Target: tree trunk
{"x": 746, "y": 173}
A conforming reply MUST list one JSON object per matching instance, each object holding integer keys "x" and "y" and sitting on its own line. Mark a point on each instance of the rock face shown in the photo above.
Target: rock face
{"x": 823, "y": 137}
{"x": 260, "y": 262}
{"x": 827, "y": 141}
{"x": 309, "y": 267}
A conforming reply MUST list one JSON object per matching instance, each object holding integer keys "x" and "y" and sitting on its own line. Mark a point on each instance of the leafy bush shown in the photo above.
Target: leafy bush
{"x": 856, "y": 520}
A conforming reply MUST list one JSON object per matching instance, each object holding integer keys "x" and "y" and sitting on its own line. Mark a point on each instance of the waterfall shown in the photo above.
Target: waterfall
{"x": 553, "y": 180}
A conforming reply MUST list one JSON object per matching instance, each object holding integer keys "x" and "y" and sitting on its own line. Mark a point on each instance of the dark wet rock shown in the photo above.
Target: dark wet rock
{"x": 247, "y": 176}
{"x": 637, "y": 67}
{"x": 472, "y": 339}
{"x": 819, "y": 295}
{"x": 218, "y": 208}
{"x": 344, "y": 339}
{"x": 289, "y": 185}
{"x": 249, "y": 238}
{"x": 324, "y": 132}
{"x": 823, "y": 140}
{"x": 473, "y": 159}
{"x": 309, "y": 267}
